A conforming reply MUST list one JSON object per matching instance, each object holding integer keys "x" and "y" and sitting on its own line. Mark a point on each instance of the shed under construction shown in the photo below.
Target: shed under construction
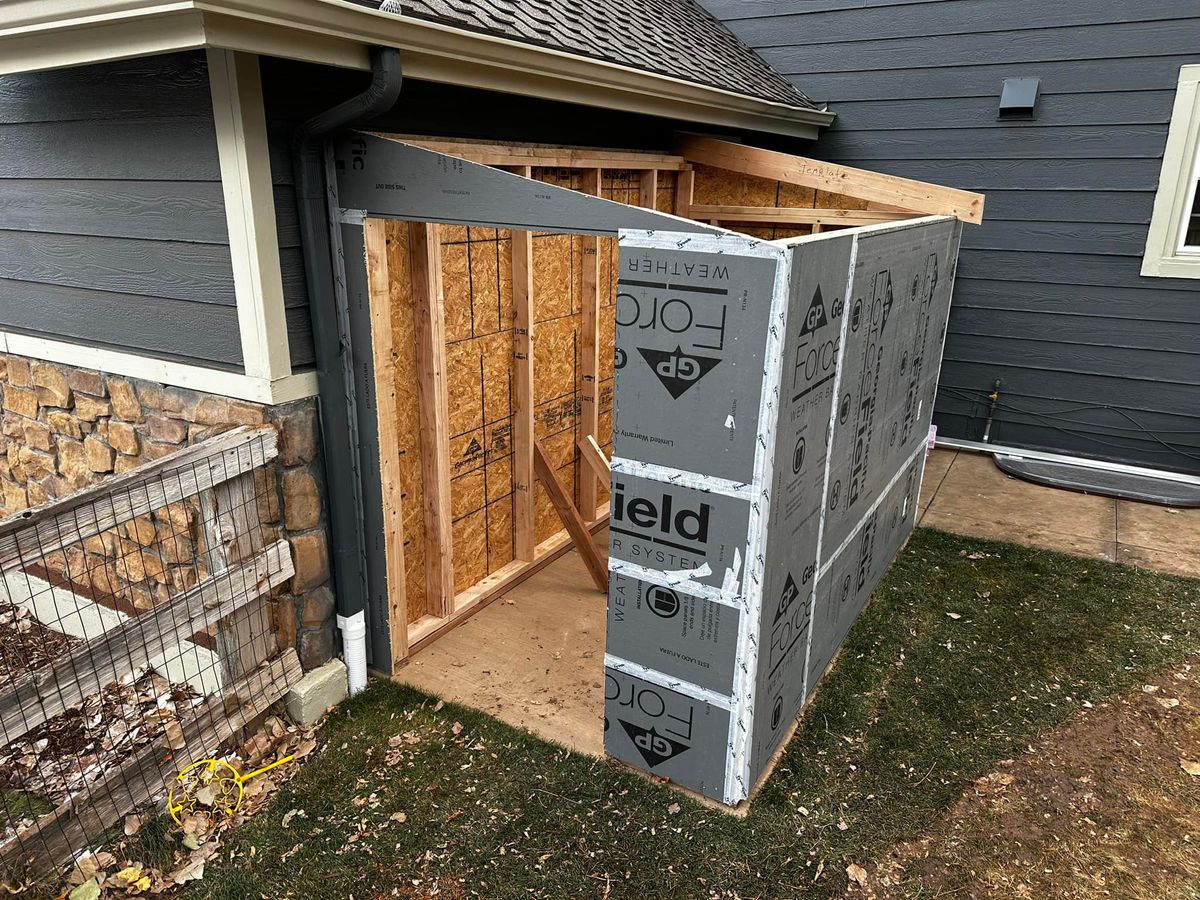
{"x": 521, "y": 313}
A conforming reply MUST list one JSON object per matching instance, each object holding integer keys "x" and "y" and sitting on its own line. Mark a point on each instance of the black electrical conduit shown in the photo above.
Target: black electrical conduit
{"x": 331, "y": 325}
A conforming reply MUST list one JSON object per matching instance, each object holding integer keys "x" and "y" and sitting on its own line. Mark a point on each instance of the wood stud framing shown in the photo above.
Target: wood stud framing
{"x": 589, "y": 355}
{"x": 889, "y": 199}
{"x": 384, "y": 349}
{"x": 918, "y": 196}
{"x": 430, "y": 329}
{"x": 524, "y": 512}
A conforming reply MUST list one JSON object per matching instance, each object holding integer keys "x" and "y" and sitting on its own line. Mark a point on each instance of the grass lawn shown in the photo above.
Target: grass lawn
{"x": 968, "y": 653}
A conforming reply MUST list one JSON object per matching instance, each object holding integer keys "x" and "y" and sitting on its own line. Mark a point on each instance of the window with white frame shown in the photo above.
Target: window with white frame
{"x": 1173, "y": 242}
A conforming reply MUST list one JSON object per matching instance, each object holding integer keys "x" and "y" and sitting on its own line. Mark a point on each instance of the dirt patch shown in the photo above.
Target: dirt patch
{"x": 1108, "y": 805}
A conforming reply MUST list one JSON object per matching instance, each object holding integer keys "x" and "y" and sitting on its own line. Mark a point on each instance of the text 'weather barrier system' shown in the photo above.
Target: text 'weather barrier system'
{"x": 773, "y": 401}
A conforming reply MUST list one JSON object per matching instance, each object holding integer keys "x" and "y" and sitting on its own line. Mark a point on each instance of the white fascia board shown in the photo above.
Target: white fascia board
{"x": 337, "y": 32}
{"x": 162, "y": 371}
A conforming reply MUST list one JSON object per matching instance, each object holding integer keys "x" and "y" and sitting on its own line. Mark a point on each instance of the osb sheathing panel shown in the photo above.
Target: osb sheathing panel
{"x": 477, "y": 287}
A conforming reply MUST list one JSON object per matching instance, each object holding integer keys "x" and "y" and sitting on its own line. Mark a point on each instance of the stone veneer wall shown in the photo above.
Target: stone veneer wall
{"x": 64, "y": 428}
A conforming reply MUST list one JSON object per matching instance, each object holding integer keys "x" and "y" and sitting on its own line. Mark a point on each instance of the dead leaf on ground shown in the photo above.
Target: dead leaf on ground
{"x": 857, "y": 874}
{"x": 995, "y": 783}
{"x": 1190, "y": 766}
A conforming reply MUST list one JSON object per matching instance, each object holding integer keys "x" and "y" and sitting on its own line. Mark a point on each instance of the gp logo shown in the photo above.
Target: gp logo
{"x": 678, "y": 371}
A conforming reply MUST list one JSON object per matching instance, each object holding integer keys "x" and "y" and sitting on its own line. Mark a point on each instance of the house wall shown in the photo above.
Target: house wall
{"x": 112, "y": 216}
{"x": 1094, "y": 358}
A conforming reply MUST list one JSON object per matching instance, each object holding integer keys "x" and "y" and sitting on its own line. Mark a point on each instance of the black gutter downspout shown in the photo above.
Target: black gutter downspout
{"x": 331, "y": 325}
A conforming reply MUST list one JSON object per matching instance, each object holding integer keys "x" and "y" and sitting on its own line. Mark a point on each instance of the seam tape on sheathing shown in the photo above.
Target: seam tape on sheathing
{"x": 712, "y": 698}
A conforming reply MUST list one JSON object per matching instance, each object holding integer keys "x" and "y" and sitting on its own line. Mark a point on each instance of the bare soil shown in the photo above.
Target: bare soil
{"x": 1107, "y": 805}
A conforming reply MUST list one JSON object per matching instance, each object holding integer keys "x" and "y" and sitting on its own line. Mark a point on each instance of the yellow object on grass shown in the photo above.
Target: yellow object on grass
{"x": 213, "y": 784}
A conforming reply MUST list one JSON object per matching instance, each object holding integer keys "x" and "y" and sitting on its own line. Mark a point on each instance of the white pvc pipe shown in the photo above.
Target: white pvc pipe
{"x": 354, "y": 649}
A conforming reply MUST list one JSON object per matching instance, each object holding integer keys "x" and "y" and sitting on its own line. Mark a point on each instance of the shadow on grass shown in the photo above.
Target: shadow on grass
{"x": 969, "y": 650}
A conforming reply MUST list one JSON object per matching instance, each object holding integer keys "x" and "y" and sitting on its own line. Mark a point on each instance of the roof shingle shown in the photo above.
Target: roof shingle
{"x": 676, "y": 38}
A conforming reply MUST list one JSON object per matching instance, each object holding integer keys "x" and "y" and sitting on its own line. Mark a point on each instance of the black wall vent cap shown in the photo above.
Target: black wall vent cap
{"x": 1019, "y": 97}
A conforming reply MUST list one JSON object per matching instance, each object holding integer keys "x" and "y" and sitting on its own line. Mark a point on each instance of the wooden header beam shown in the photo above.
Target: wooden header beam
{"x": 918, "y": 196}
{"x": 797, "y": 215}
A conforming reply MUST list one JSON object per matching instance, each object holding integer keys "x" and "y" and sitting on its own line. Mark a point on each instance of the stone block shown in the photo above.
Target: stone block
{"x": 315, "y": 646}
{"x": 177, "y": 401}
{"x": 172, "y": 431}
{"x": 90, "y": 409}
{"x": 15, "y": 498}
{"x": 317, "y": 607}
{"x": 123, "y": 438}
{"x": 19, "y": 372}
{"x": 37, "y": 493}
{"x": 73, "y": 462}
{"x": 99, "y": 454}
{"x": 51, "y": 384}
{"x": 124, "y": 399}
{"x": 35, "y": 464}
{"x": 310, "y": 554}
{"x": 63, "y": 422}
{"x": 155, "y": 450}
{"x": 312, "y": 696}
{"x": 125, "y": 464}
{"x": 22, "y": 401}
{"x": 38, "y": 436}
{"x": 301, "y": 500}
{"x": 298, "y": 436}
{"x": 87, "y": 382}
{"x": 226, "y": 411}
{"x": 141, "y": 530}
{"x": 175, "y": 547}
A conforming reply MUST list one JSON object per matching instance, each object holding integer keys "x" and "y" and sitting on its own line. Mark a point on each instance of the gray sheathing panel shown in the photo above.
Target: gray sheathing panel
{"x": 816, "y": 311}
{"x": 897, "y": 318}
{"x": 670, "y": 733}
{"x": 677, "y": 530}
{"x": 691, "y": 331}
{"x": 838, "y": 376}
{"x": 677, "y": 633}
{"x": 382, "y": 177}
{"x": 847, "y": 580}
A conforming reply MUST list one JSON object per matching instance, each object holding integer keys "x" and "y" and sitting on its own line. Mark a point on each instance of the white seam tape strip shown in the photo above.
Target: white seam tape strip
{"x": 824, "y": 570}
{"x": 712, "y": 698}
{"x": 745, "y": 670}
{"x": 676, "y": 580}
{"x": 829, "y": 432}
{"x": 709, "y": 484}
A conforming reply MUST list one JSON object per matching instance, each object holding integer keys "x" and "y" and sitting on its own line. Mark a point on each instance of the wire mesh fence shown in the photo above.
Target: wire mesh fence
{"x": 135, "y": 638}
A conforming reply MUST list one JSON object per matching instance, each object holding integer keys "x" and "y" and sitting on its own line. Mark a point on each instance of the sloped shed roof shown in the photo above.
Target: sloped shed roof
{"x": 676, "y": 38}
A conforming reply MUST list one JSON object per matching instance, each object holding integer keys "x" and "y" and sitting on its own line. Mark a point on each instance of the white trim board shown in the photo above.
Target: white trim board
{"x": 198, "y": 378}
{"x": 241, "y": 128}
{"x": 1176, "y": 185}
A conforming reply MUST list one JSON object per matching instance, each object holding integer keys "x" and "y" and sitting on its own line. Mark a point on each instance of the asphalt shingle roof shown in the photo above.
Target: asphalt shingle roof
{"x": 669, "y": 37}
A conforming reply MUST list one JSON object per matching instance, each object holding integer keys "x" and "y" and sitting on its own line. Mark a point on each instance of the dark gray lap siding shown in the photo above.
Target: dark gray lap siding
{"x": 1093, "y": 357}
{"x": 112, "y": 219}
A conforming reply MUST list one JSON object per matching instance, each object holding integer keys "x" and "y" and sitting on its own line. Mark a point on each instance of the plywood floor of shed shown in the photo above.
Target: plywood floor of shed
{"x": 534, "y": 658}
